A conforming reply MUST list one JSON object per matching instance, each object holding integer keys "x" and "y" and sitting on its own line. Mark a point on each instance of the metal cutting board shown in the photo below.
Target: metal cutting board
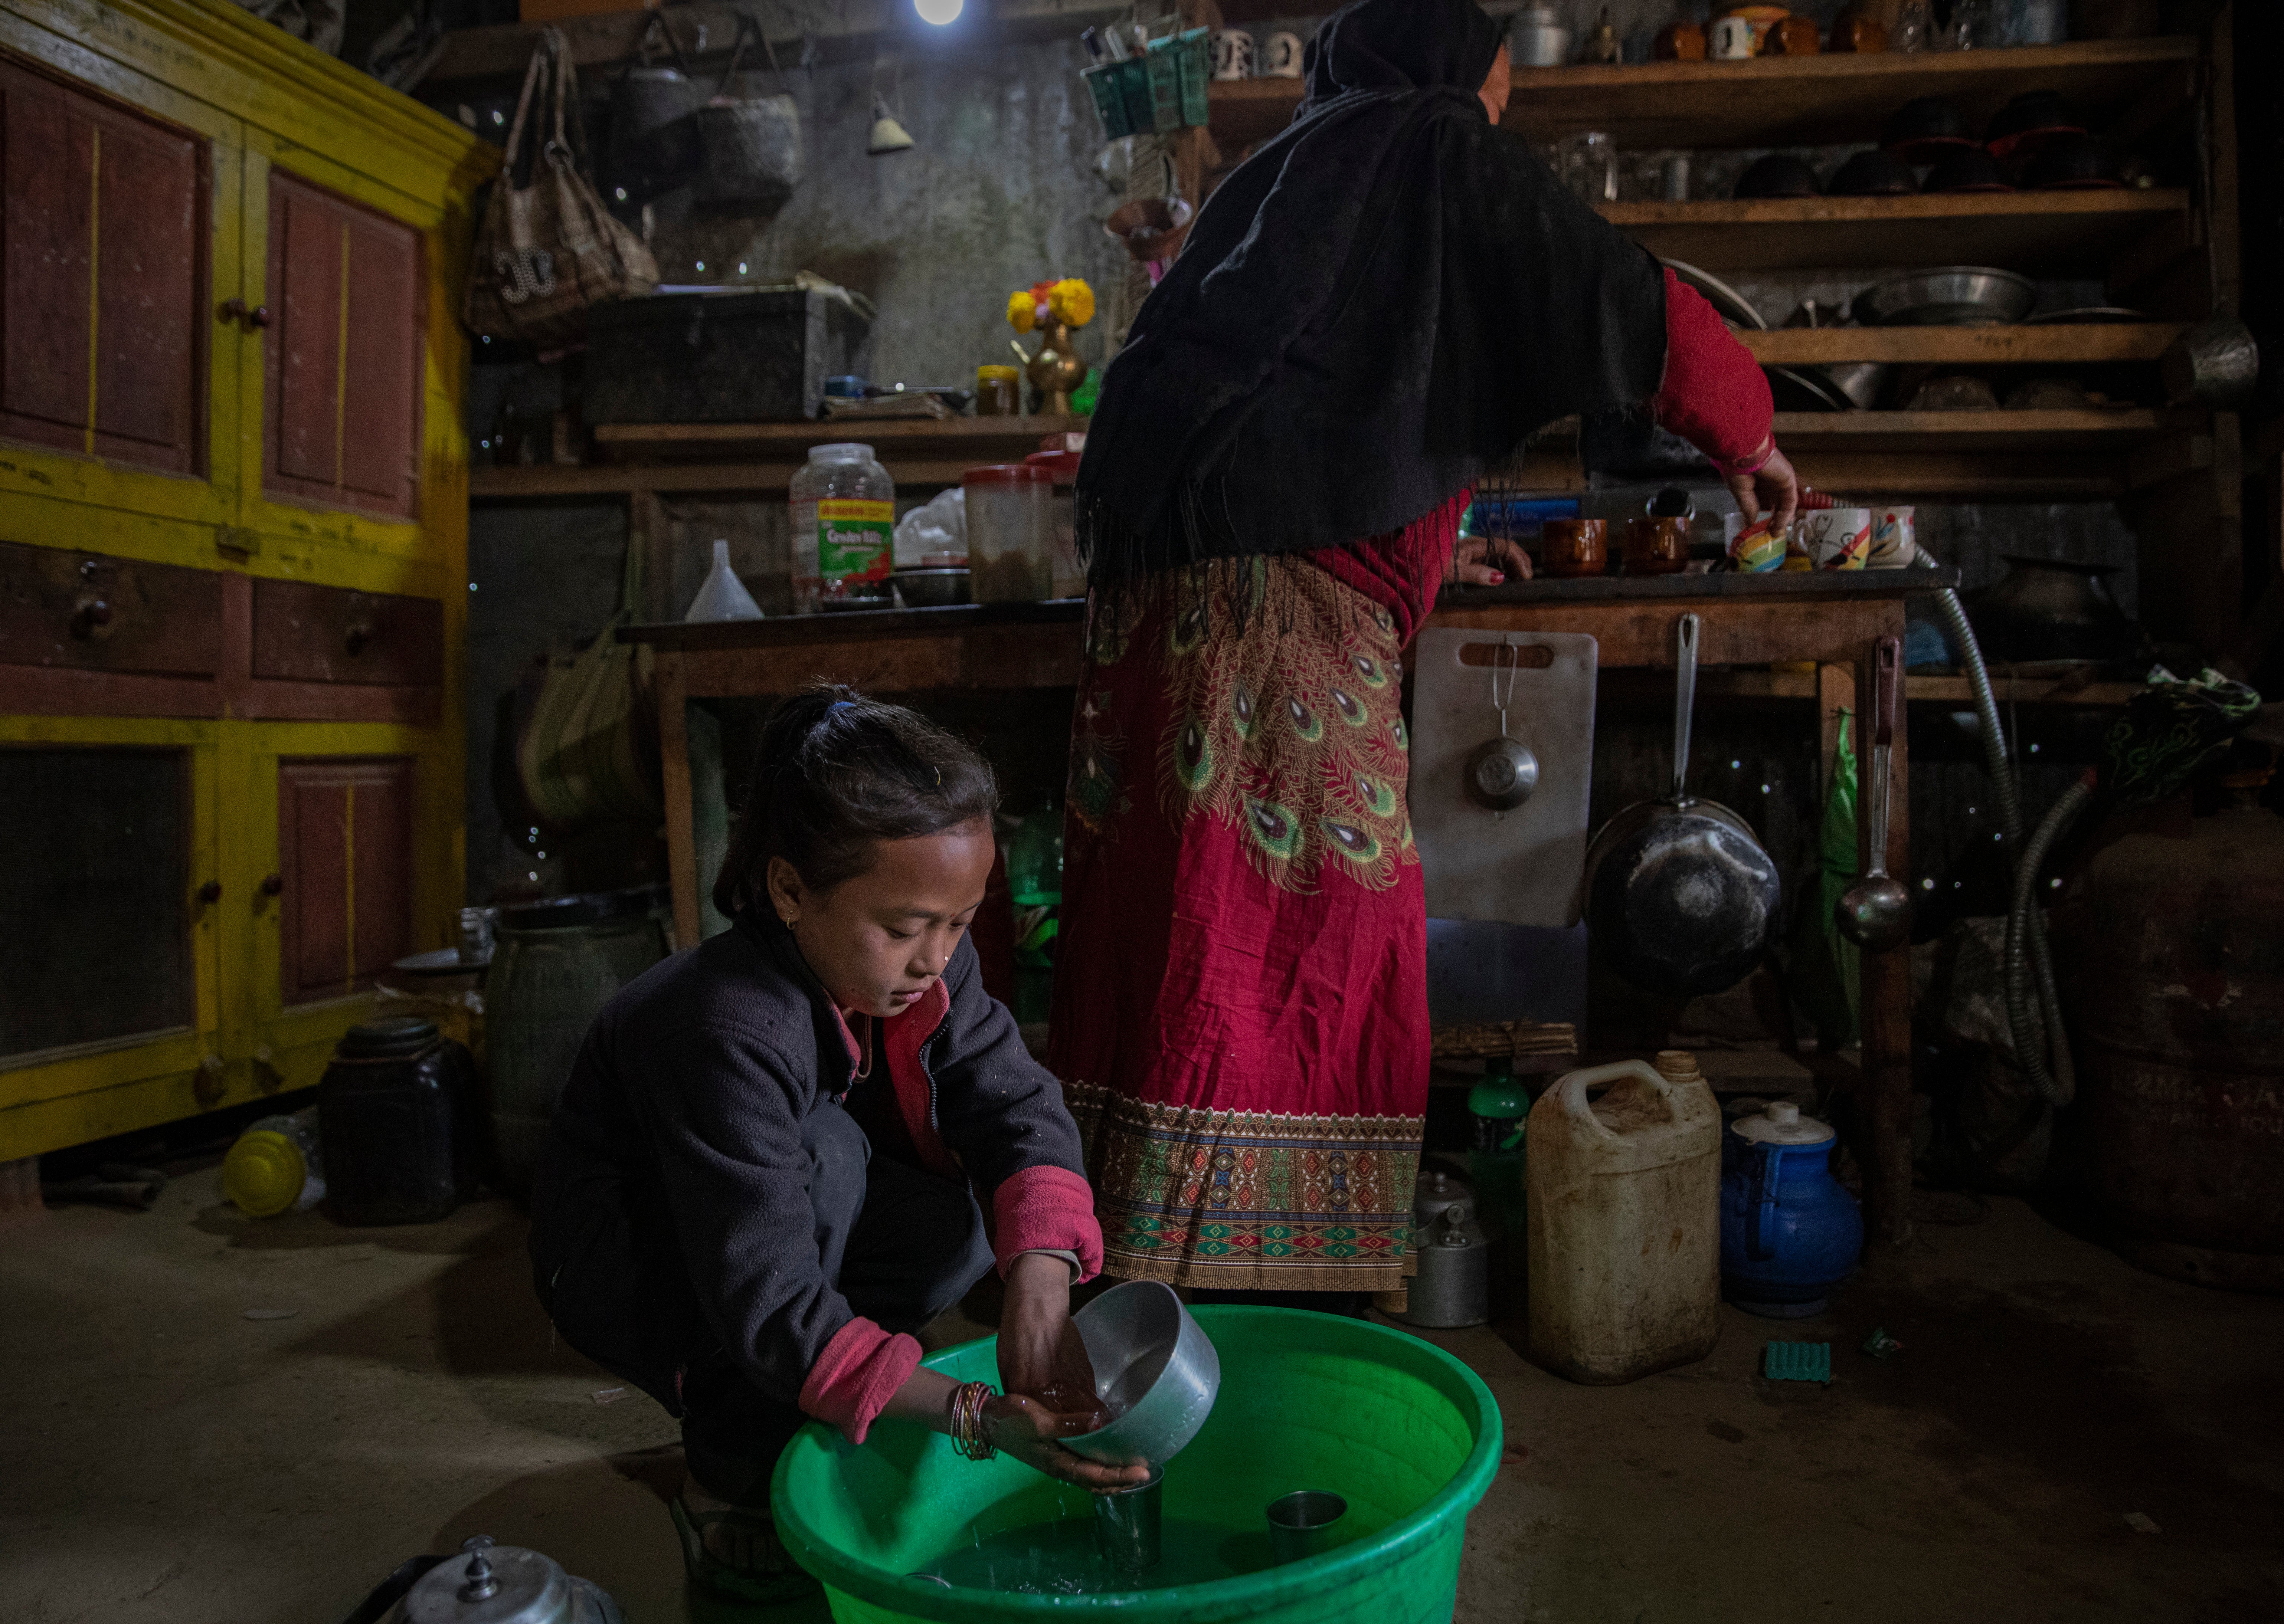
{"x": 1521, "y": 866}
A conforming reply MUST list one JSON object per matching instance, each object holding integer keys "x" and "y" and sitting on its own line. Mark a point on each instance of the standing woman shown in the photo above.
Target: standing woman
{"x": 1379, "y": 305}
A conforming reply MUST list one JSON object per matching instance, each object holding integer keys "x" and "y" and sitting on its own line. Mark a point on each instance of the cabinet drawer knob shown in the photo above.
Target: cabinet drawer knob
{"x": 258, "y": 317}
{"x": 356, "y": 636}
{"x": 272, "y": 885}
{"x": 231, "y": 310}
{"x": 91, "y": 614}
{"x": 210, "y": 892}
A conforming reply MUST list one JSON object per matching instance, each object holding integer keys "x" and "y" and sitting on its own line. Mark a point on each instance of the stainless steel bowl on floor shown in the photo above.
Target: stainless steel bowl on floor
{"x": 931, "y": 588}
{"x": 1948, "y": 296}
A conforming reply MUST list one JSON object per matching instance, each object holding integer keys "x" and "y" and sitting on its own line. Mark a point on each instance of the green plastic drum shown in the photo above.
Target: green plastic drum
{"x": 1406, "y": 1432}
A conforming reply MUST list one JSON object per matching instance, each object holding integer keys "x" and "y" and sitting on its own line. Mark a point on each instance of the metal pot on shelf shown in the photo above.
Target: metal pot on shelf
{"x": 2051, "y": 609}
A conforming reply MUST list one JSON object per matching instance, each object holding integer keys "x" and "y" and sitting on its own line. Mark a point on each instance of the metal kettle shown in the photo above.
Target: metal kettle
{"x": 1452, "y": 1287}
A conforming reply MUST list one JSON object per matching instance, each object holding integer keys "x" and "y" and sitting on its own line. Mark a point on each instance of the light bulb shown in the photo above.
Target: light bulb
{"x": 938, "y": 11}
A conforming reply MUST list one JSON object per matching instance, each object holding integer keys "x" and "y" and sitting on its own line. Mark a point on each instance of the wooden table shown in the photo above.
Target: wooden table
{"x": 1833, "y": 619}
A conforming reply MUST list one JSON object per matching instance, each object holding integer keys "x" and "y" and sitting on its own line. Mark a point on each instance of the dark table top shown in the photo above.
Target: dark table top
{"x": 789, "y": 630}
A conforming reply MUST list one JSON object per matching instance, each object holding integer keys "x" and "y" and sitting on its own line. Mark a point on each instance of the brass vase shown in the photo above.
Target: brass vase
{"x": 1057, "y": 367}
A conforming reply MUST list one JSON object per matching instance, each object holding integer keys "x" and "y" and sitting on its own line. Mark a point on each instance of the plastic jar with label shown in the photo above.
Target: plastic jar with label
{"x": 1010, "y": 546}
{"x": 998, "y": 392}
{"x": 844, "y": 522}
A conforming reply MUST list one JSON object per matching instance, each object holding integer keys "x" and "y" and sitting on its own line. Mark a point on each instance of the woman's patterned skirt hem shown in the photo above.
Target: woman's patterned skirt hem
{"x": 1249, "y": 1200}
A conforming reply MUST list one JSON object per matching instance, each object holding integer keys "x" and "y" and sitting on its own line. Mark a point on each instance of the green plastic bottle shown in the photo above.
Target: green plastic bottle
{"x": 1035, "y": 882}
{"x": 1500, "y": 1107}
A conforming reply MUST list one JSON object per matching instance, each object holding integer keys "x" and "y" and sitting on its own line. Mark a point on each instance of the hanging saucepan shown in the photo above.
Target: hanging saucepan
{"x": 1679, "y": 897}
{"x": 654, "y": 123}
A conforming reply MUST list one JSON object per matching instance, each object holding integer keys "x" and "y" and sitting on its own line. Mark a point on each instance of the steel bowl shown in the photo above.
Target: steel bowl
{"x": 931, "y": 588}
{"x": 1153, "y": 1370}
{"x": 1732, "y": 306}
{"x": 1948, "y": 296}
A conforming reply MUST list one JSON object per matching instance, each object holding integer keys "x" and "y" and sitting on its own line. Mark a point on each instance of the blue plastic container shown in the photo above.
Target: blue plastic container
{"x": 1789, "y": 1233}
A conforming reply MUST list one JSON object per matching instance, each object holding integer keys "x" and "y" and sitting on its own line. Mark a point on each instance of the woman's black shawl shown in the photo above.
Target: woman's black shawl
{"x": 1381, "y": 302}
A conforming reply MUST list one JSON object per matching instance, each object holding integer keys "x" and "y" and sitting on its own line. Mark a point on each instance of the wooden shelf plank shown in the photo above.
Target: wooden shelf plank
{"x": 1963, "y": 346}
{"x": 2059, "y": 232}
{"x": 985, "y": 439}
{"x": 1995, "y": 433}
{"x": 1779, "y": 101}
{"x": 1748, "y": 684}
{"x": 751, "y": 477}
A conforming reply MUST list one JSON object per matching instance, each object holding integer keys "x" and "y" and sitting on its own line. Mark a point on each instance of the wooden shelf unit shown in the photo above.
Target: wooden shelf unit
{"x": 2122, "y": 85}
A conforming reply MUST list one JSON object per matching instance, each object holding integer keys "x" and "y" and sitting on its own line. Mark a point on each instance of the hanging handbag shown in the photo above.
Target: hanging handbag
{"x": 547, "y": 248}
{"x": 589, "y": 754}
{"x": 749, "y": 148}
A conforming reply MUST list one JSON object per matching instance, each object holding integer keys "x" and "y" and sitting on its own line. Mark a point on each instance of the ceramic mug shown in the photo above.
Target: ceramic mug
{"x": 1731, "y": 39}
{"x": 1895, "y": 538}
{"x": 1836, "y": 538}
{"x": 1570, "y": 546}
{"x": 1233, "y": 54}
{"x": 1756, "y": 548}
{"x": 1656, "y": 546}
{"x": 1280, "y": 56}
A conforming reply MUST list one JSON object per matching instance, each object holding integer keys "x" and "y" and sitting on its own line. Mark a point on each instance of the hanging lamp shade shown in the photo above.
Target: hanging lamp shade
{"x": 887, "y": 135}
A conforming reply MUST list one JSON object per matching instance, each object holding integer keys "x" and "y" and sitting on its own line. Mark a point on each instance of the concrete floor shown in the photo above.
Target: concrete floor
{"x": 169, "y": 1460}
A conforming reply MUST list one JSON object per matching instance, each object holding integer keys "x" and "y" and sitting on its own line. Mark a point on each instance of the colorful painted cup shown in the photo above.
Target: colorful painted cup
{"x": 1756, "y": 548}
{"x": 1233, "y": 54}
{"x": 1836, "y": 538}
{"x": 1280, "y": 56}
{"x": 1570, "y": 546}
{"x": 1895, "y": 538}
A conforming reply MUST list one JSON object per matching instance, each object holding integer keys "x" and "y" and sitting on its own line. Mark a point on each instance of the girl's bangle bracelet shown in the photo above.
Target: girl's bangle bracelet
{"x": 969, "y": 1434}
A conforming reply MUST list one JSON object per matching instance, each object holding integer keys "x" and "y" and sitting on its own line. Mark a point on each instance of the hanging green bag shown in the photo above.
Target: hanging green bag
{"x": 1824, "y": 976}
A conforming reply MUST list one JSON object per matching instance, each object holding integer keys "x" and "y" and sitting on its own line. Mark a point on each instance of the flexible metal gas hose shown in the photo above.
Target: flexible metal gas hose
{"x": 2027, "y": 955}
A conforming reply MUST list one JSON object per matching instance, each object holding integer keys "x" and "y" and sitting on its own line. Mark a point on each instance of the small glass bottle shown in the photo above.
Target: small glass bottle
{"x": 1914, "y": 29}
{"x": 844, "y": 523}
{"x": 1498, "y": 1109}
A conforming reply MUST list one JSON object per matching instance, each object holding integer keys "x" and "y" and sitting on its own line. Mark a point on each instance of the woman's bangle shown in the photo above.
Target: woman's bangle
{"x": 969, "y": 1434}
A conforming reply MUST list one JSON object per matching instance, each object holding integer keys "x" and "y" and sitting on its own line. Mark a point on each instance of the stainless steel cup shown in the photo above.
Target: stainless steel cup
{"x": 1126, "y": 1522}
{"x": 1305, "y": 1523}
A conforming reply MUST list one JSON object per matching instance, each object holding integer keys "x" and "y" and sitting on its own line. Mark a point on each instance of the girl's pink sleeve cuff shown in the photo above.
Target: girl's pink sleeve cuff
{"x": 1046, "y": 1209}
{"x": 857, "y": 1375}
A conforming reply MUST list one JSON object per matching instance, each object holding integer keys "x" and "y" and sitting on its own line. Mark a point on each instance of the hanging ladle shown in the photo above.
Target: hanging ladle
{"x": 1502, "y": 772}
{"x": 1875, "y": 912}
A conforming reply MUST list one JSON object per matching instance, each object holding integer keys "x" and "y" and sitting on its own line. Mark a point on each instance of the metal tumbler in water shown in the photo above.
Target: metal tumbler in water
{"x": 1126, "y": 1523}
{"x": 1305, "y": 1523}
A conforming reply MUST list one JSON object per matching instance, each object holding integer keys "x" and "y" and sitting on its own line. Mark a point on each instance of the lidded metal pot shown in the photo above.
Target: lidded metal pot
{"x": 488, "y": 1583}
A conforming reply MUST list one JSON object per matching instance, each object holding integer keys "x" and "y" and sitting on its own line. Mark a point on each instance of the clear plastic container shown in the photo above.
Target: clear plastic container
{"x": 1069, "y": 573}
{"x": 844, "y": 523}
{"x": 1011, "y": 546}
{"x": 276, "y": 1167}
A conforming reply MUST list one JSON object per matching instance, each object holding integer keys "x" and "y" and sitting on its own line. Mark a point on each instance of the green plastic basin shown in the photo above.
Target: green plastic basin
{"x": 1406, "y": 1432}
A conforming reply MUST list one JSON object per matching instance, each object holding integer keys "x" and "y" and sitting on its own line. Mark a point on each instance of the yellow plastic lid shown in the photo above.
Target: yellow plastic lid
{"x": 263, "y": 1174}
{"x": 995, "y": 374}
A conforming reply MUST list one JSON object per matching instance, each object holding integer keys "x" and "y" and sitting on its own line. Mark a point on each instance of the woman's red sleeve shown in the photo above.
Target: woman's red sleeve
{"x": 1714, "y": 396}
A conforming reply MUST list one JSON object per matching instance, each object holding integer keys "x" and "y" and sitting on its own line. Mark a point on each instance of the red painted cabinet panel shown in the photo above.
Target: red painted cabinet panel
{"x": 345, "y": 843}
{"x": 102, "y": 251}
{"x": 342, "y": 380}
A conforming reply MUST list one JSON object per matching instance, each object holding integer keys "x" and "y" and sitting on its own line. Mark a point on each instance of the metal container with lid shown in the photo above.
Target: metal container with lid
{"x": 557, "y": 962}
{"x": 491, "y": 1583}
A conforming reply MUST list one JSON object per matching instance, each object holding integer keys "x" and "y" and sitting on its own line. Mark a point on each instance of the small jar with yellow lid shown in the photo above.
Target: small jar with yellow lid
{"x": 998, "y": 392}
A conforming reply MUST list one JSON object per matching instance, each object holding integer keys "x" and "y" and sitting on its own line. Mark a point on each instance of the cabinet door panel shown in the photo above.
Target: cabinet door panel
{"x": 306, "y": 339}
{"x": 343, "y": 362}
{"x": 379, "y": 444}
{"x": 97, "y": 894}
{"x": 345, "y": 856}
{"x": 102, "y": 251}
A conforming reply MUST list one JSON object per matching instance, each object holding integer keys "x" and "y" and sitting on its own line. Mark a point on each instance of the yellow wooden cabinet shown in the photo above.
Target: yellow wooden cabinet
{"x": 233, "y": 573}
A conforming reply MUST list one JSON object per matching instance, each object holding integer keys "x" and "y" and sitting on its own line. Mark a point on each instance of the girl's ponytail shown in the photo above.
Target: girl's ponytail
{"x": 835, "y": 774}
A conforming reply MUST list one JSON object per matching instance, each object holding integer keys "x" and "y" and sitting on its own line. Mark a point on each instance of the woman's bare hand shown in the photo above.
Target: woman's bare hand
{"x": 1028, "y": 1431}
{"x": 1040, "y": 1353}
{"x": 1487, "y": 561}
{"x": 1772, "y": 486}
